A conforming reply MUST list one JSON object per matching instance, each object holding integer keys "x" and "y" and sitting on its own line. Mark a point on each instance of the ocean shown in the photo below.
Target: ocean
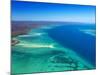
{"x": 55, "y": 47}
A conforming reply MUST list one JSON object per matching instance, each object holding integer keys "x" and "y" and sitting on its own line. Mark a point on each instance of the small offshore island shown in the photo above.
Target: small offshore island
{"x": 14, "y": 42}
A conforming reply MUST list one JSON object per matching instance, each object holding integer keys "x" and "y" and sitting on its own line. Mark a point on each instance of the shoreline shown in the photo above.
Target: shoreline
{"x": 14, "y": 42}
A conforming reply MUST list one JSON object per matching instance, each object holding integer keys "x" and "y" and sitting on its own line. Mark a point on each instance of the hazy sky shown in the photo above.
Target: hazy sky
{"x": 35, "y": 11}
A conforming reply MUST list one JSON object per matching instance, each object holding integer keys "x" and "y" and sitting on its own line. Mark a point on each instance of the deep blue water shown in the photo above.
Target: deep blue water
{"x": 71, "y": 36}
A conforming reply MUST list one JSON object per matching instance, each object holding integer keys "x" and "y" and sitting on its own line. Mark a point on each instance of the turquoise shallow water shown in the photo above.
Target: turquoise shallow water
{"x": 37, "y": 52}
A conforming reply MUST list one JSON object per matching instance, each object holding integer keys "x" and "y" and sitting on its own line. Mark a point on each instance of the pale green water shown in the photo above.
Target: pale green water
{"x": 37, "y": 52}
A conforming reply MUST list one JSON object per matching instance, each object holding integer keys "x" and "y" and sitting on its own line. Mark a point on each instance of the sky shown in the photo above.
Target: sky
{"x": 39, "y": 11}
